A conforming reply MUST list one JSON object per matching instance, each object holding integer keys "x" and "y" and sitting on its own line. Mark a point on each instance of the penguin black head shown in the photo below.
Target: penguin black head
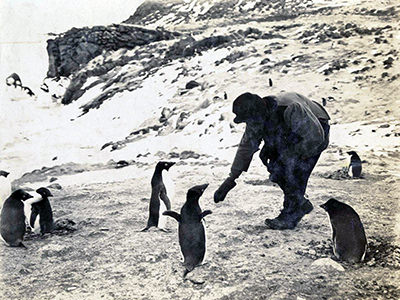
{"x": 21, "y": 195}
{"x": 195, "y": 192}
{"x": 332, "y": 205}
{"x": 164, "y": 165}
{"x": 249, "y": 108}
{"x": 4, "y": 173}
{"x": 44, "y": 192}
{"x": 352, "y": 153}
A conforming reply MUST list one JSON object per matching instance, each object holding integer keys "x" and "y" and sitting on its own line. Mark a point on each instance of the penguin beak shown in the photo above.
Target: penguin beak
{"x": 50, "y": 195}
{"x": 204, "y": 186}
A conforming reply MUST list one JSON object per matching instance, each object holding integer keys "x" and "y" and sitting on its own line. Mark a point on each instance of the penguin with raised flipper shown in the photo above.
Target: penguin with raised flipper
{"x": 159, "y": 199}
{"x": 355, "y": 166}
{"x": 192, "y": 235}
{"x": 12, "y": 225}
{"x": 348, "y": 235}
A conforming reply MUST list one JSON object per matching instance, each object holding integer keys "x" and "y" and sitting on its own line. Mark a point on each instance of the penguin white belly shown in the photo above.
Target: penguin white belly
{"x": 162, "y": 220}
{"x": 36, "y": 226}
{"x": 350, "y": 171}
{"x": 1, "y": 238}
{"x": 28, "y": 208}
{"x": 205, "y": 242}
{"x": 5, "y": 190}
{"x": 27, "y": 212}
{"x": 169, "y": 184}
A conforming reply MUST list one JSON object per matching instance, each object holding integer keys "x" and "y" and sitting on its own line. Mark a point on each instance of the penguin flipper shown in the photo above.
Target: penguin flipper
{"x": 173, "y": 214}
{"x": 164, "y": 198}
{"x": 205, "y": 213}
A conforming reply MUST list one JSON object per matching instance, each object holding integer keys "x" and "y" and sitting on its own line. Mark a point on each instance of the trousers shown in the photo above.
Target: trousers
{"x": 292, "y": 175}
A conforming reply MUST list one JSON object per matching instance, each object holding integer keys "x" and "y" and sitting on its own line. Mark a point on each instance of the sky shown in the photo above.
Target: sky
{"x": 25, "y": 23}
{"x": 24, "y": 20}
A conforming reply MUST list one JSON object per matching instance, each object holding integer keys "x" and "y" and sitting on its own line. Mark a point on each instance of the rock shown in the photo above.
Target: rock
{"x": 192, "y": 84}
{"x": 76, "y": 47}
{"x": 205, "y": 104}
{"x": 189, "y": 154}
{"x": 106, "y": 145}
{"x": 121, "y": 164}
{"x": 55, "y": 186}
{"x": 264, "y": 61}
{"x": 52, "y": 179}
{"x": 327, "y": 264}
{"x": 165, "y": 114}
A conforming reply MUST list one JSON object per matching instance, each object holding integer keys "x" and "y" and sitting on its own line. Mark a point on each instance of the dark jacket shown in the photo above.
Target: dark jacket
{"x": 293, "y": 130}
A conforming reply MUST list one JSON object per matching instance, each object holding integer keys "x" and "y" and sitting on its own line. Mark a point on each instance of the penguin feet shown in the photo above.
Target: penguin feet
{"x": 289, "y": 220}
{"x": 165, "y": 230}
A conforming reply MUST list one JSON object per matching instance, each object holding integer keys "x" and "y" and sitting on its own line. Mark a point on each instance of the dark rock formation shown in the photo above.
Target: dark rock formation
{"x": 192, "y": 84}
{"x": 76, "y": 47}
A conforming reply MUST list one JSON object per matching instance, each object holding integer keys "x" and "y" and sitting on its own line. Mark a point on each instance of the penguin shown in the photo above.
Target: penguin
{"x": 41, "y": 217}
{"x": 44, "y": 87}
{"x": 225, "y": 96}
{"x": 192, "y": 235}
{"x": 13, "y": 219}
{"x": 355, "y": 164}
{"x": 159, "y": 200}
{"x": 5, "y": 187}
{"x": 28, "y": 91}
{"x": 323, "y": 101}
{"x": 349, "y": 240}
{"x": 270, "y": 82}
{"x": 14, "y": 80}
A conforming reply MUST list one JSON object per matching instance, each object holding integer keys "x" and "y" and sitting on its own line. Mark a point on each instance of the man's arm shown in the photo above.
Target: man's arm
{"x": 247, "y": 147}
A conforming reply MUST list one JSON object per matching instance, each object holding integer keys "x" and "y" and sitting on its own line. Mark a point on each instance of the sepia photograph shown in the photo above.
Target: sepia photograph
{"x": 199, "y": 149}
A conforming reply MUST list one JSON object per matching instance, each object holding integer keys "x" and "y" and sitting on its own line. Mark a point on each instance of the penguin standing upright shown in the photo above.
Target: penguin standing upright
{"x": 192, "y": 236}
{"x": 5, "y": 187}
{"x": 348, "y": 235}
{"x": 41, "y": 217}
{"x": 355, "y": 166}
{"x": 159, "y": 200}
{"x": 12, "y": 224}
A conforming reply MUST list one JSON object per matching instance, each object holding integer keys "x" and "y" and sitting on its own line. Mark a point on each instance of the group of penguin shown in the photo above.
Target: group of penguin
{"x": 349, "y": 239}
{"x": 20, "y": 211}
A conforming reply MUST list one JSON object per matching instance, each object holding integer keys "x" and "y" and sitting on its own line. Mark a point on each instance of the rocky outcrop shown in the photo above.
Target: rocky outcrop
{"x": 181, "y": 11}
{"x": 76, "y": 47}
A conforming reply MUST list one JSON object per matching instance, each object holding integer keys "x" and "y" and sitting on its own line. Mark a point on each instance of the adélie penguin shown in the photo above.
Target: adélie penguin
{"x": 12, "y": 225}
{"x": 160, "y": 196}
{"x": 355, "y": 165}
{"x": 348, "y": 235}
{"x": 192, "y": 235}
{"x": 41, "y": 218}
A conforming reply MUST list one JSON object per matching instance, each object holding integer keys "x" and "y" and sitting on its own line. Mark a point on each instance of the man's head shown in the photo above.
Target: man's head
{"x": 251, "y": 108}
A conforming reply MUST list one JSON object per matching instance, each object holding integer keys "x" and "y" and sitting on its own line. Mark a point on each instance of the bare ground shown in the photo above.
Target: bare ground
{"x": 108, "y": 258}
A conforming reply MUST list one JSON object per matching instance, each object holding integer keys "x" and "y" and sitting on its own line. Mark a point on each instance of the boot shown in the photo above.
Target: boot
{"x": 291, "y": 214}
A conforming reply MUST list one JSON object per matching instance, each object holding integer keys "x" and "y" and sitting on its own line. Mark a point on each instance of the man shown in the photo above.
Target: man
{"x": 295, "y": 131}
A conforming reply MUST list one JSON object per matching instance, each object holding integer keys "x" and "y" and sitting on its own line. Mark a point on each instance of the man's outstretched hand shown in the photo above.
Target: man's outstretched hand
{"x": 223, "y": 190}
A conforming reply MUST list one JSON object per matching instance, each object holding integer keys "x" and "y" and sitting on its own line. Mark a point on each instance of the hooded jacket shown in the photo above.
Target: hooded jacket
{"x": 293, "y": 129}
